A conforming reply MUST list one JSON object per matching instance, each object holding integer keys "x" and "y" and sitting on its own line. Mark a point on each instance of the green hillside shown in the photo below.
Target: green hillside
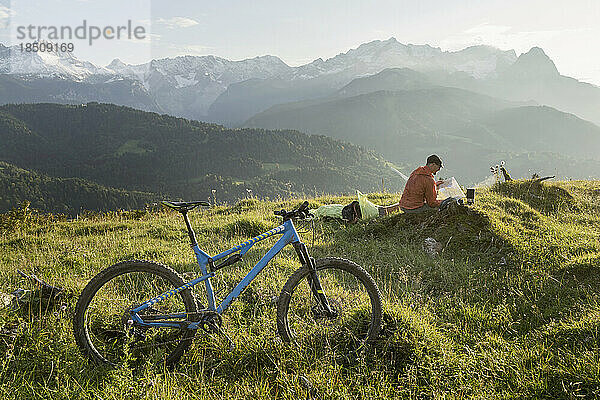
{"x": 406, "y": 126}
{"x": 63, "y": 195}
{"x": 470, "y": 131}
{"x": 508, "y": 309}
{"x": 383, "y": 119}
{"x": 536, "y": 128}
{"x": 134, "y": 150}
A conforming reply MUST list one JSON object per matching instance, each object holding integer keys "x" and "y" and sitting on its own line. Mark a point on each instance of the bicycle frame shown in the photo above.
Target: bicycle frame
{"x": 289, "y": 235}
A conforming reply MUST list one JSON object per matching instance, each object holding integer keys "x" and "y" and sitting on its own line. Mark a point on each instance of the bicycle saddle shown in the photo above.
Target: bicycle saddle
{"x": 184, "y": 205}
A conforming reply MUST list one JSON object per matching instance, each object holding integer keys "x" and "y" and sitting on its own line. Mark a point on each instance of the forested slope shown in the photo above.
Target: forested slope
{"x": 129, "y": 149}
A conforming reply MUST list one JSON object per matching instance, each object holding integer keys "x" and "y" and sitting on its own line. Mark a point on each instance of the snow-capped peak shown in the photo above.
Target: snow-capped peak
{"x": 185, "y": 71}
{"x": 54, "y": 62}
{"x": 377, "y": 55}
{"x": 116, "y": 64}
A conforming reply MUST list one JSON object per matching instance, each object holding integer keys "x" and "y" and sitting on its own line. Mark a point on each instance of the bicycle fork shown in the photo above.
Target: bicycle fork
{"x": 313, "y": 279}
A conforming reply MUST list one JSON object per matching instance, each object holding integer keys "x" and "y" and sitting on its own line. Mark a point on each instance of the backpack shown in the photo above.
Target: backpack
{"x": 351, "y": 212}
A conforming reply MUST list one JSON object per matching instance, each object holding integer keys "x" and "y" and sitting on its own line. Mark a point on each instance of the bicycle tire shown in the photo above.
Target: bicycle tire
{"x": 99, "y": 322}
{"x": 351, "y": 292}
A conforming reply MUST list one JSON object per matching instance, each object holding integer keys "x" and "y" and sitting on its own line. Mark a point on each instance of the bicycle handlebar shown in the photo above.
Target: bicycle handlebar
{"x": 300, "y": 213}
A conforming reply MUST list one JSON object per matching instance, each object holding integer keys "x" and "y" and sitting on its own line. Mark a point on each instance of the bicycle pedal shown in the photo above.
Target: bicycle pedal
{"x": 217, "y": 329}
{"x": 231, "y": 344}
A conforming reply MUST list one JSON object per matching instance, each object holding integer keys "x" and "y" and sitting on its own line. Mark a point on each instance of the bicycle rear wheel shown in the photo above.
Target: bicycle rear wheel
{"x": 353, "y": 296}
{"x": 101, "y": 326}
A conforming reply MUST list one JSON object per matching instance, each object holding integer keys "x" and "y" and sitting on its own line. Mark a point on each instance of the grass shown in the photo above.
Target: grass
{"x": 133, "y": 147}
{"x": 509, "y": 308}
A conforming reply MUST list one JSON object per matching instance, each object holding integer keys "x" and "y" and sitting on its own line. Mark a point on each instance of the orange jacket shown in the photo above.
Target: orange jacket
{"x": 419, "y": 188}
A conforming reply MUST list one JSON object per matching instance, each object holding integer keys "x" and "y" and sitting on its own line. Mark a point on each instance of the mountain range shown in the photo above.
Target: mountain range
{"x": 215, "y": 89}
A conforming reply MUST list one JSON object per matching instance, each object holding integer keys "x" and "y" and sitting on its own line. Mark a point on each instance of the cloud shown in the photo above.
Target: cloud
{"x": 5, "y": 14}
{"x": 149, "y": 38}
{"x": 177, "y": 22}
{"x": 501, "y": 36}
{"x": 487, "y": 29}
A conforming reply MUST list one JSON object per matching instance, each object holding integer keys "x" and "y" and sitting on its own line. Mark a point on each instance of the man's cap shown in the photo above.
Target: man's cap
{"x": 434, "y": 159}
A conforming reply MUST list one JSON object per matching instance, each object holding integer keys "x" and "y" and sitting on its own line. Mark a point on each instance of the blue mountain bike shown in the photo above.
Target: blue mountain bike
{"x": 140, "y": 311}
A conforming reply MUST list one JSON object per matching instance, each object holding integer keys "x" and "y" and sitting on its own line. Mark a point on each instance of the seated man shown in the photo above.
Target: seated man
{"x": 420, "y": 192}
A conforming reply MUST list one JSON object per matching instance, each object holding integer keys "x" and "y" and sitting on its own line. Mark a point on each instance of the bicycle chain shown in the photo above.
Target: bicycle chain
{"x": 205, "y": 315}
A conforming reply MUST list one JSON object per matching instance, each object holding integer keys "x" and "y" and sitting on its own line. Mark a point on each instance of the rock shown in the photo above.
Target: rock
{"x": 6, "y": 300}
{"x": 16, "y": 298}
{"x": 432, "y": 246}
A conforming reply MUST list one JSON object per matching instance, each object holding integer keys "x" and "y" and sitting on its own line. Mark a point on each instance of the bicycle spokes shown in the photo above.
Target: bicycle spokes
{"x": 345, "y": 326}
{"x": 115, "y": 334}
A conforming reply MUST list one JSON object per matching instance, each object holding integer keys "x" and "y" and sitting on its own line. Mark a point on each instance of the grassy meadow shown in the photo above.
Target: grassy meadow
{"x": 508, "y": 308}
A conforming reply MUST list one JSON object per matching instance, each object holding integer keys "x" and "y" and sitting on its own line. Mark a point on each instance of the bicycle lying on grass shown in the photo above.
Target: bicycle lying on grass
{"x": 140, "y": 311}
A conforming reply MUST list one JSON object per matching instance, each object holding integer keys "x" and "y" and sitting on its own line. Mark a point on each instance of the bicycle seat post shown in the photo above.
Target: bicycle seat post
{"x": 191, "y": 233}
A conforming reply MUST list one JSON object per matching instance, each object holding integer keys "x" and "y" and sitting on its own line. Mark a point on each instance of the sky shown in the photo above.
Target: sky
{"x": 300, "y": 31}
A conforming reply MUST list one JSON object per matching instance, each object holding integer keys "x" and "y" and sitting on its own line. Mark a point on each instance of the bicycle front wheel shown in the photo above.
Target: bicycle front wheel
{"x": 101, "y": 323}
{"x": 353, "y": 296}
